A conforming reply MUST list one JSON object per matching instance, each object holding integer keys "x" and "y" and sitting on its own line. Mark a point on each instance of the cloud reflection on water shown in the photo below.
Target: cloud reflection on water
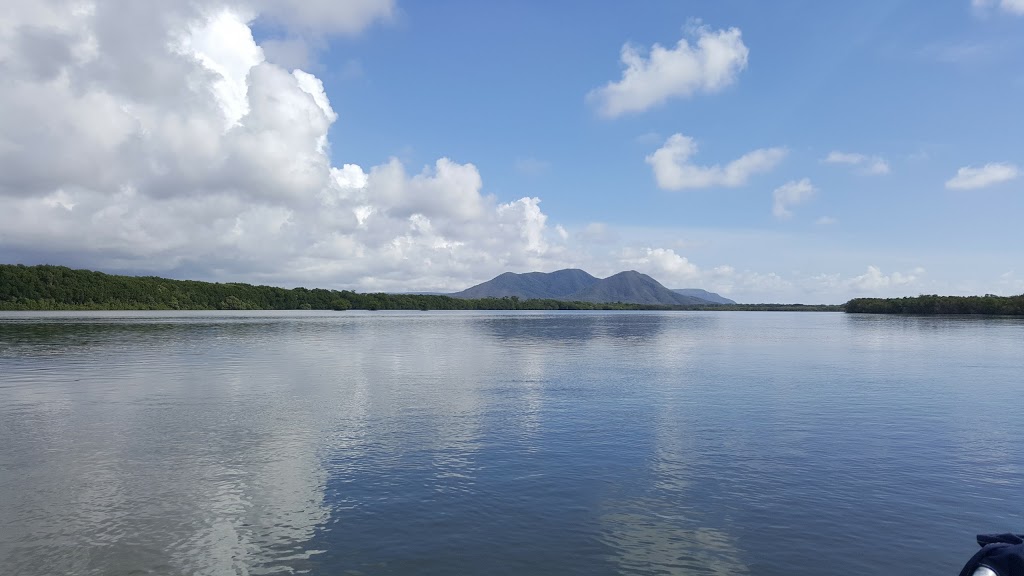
{"x": 439, "y": 443}
{"x": 165, "y": 455}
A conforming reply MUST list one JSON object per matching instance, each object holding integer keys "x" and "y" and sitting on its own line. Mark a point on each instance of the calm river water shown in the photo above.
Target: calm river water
{"x": 506, "y": 443}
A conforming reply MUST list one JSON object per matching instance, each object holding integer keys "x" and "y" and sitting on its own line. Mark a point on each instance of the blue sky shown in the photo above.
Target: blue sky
{"x": 854, "y": 120}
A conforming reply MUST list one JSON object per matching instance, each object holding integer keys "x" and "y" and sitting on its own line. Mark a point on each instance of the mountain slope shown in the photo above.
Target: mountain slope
{"x": 704, "y": 295}
{"x": 570, "y": 284}
{"x": 635, "y": 288}
{"x": 555, "y": 285}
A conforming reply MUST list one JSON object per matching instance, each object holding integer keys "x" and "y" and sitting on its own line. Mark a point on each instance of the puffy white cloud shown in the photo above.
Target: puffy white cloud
{"x": 662, "y": 264}
{"x": 711, "y": 63}
{"x": 448, "y": 190}
{"x": 873, "y": 280}
{"x": 1009, "y": 6}
{"x": 875, "y": 165}
{"x": 676, "y": 271}
{"x": 970, "y": 178}
{"x": 674, "y": 171}
{"x": 158, "y": 138}
{"x": 790, "y": 194}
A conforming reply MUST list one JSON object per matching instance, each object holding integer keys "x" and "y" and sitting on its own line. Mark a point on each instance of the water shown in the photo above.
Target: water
{"x": 505, "y": 443}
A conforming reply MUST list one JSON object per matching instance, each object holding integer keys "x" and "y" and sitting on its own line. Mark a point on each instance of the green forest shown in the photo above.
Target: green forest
{"x": 988, "y": 304}
{"x": 60, "y": 288}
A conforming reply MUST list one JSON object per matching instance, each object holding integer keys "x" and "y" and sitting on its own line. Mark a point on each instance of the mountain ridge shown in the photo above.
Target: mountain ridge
{"x": 554, "y": 285}
{"x": 704, "y": 295}
{"x": 573, "y": 284}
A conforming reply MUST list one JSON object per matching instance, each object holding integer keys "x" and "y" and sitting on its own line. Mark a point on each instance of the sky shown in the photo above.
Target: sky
{"x": 792, "y": 151}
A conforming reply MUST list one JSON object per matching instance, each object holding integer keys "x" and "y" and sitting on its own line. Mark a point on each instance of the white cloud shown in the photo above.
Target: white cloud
{"x": 874, "y": 280}
{"x": 676, "y": 271}
{"x": 713, "y": 62}
{"x": 875, "y": 165}
{"x": 161, "y": 138}
{"x": 1009, "y": 6}
{"x": 970, "y": 178}
{"x": 790, "y": 194}
{"x": 673, "y": 170}
{"x": 826, "y": 221}
{"x": 158, "y": 138}
{"x": 662, "y": 264}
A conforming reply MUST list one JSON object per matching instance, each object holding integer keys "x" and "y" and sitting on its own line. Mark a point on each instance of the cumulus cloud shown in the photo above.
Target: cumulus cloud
{"x": 661, "y": 263}
{"x": 790, "y": 194}
{"x": 674, "y": 171}
{"x": 970, "y": 178}
{"x": 875, "y": 165}
{"x": 159, "y": 138}
{"x": 872, "y": 281}
{"x": 676, "y": 271}
{"x": 1008, "y": 6}
{"x": 711, "y": 63}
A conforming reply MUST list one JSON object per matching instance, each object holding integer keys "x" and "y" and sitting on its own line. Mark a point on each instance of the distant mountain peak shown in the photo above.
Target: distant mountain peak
{"x": 704, "y": 295}
{"x": 574, "y": 284}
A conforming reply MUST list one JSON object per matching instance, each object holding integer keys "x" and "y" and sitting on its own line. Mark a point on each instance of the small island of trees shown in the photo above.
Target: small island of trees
{"x": 988, "y": 304}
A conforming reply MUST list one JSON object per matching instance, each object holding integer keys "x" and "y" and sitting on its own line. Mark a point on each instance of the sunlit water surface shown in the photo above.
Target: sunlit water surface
{"x": 506, "y": 443}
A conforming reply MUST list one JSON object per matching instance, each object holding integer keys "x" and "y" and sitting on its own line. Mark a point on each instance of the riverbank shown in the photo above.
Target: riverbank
{"x": 27, "y": 288}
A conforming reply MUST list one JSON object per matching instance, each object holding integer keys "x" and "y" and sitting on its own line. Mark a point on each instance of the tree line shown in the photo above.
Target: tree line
{"x": 988, "y": 304}
{"x": 61, "y": 288}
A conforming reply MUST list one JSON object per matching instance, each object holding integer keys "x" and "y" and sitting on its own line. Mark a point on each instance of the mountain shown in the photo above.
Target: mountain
{"x": 576, "y": 285}
{"x": 556, "y": 285}
{"x": 635, "y": 288}
{"x": 704, "y": 295}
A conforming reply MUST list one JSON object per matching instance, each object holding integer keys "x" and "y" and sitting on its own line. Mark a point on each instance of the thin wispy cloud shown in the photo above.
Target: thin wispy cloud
{"x": 1015, "y": 7}
{"x": 875, "y": 165}
{"x": 971, "y": 178}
